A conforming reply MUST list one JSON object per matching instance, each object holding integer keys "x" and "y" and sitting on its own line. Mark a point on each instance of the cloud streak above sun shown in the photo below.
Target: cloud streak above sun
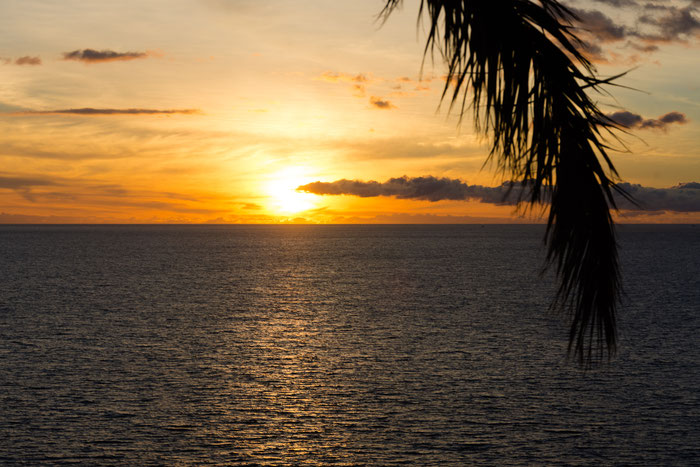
{"x": 681, "y": 198}
{"x": 98, "y": 56}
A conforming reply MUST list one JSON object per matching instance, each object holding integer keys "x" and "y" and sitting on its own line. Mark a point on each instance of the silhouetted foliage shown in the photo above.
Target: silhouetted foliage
{"x": 517, "y": 64}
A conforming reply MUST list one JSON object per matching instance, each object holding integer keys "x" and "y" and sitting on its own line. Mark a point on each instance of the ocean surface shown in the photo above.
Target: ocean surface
{"x": 336, "y": 345}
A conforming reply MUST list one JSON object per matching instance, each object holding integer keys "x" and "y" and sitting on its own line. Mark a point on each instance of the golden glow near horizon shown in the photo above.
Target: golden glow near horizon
{"x": 216, "y": 110}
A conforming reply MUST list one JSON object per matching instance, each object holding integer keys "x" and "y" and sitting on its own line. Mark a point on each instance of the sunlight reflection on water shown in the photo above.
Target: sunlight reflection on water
{"x": 337, "y": 345}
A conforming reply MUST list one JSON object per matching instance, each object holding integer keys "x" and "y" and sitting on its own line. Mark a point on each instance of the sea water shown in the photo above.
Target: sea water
{"x": 336, "y": 345}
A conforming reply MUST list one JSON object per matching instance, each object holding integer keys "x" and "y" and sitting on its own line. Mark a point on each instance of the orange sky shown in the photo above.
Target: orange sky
{"x": 216, "y": 110}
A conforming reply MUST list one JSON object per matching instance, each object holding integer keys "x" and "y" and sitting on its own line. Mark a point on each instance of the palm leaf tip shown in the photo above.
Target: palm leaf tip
{"x": 527, "y": 90}
{"x": 583, "y": 250}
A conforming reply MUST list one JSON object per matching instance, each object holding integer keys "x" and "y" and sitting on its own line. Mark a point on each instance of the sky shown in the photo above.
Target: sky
{"x": 217, "y": 111}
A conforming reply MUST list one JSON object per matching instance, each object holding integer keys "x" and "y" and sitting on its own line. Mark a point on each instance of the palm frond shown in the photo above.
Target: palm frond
{"x": 517, "y": 65}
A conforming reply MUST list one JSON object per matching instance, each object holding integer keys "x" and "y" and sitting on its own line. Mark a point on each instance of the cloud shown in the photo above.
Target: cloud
{"x": 427, "y": 188}
{"x": 381, "y": 103}
{"x": 625, "y": 118}
{"x": 392, "y": 87}
{"x": 358, "y": 82}
{"x": 688, "y": 186}
{"x": 27, "y": 60}
{"x": 338, "y": 77}
{"x": 92, "y": 111}
{"x": 96, "y": 56}
{"x": 18, "y": 183}
{"x": 618, "y": 3}
{"x": 24, "y": 185}
{"x": 87, "y": 194}
{"x": 646, "y": 48}
{"x": 9, "y": 218}
{"x": 359, "y": 90}
{"x": 632, "y": 120}
{"x": 670, "y": 23}
{"x": 423, "y": 218}
{"x": 238, "y": 7}
{"x": 641, "y": 213}
{"x": 684, "y": 197}
{"x": 648, "y": 25}
{"x": 600, "y": 25}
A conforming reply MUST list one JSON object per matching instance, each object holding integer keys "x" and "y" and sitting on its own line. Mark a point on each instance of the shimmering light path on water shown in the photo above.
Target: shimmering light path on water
{"x": 423, "y": 345}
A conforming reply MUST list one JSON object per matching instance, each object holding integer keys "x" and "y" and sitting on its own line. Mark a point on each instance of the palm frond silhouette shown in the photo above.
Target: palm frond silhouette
{"x": 517, "y": 65}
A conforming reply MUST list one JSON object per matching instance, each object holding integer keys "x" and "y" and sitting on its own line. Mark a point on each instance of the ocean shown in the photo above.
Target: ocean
{"x": 336, "y": 345}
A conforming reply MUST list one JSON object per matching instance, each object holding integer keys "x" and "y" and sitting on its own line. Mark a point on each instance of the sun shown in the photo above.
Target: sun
{"x": 283, "y": 197}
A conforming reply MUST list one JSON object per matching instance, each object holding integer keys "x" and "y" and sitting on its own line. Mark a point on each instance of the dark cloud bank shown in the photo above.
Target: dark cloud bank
{"x": 682, "y": 198}
{"x": 95, "y": 56}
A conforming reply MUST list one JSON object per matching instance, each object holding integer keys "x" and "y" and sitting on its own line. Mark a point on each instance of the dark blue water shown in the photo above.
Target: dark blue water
{"x": 343, "y": 345}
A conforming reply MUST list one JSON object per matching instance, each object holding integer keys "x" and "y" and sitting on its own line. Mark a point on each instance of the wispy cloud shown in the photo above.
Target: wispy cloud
{"x": 618, "y": 3}
{"x": 632, "y": 120}
{"x": 357, "y": 81}
{"x": 17, "y": 183}
{"x": 57, "y": 191}
{"x": 393, "y": 87}
{"x": 89, "y": 111}
{"x": 339, "y": 77}
{"x": 26, "y": 60}
{"x": 97, "y": 56}
{"x": 681, "y": 198}
{"x": 24, "y": 185}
